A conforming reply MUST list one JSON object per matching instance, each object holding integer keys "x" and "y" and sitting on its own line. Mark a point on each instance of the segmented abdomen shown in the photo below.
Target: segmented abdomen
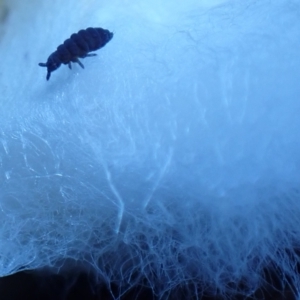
{"x": 94, "y": 38}
{"x": 83, "y": 42}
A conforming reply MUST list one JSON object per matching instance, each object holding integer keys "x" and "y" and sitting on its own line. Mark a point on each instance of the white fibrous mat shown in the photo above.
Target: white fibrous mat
{"x": 173, "y": 156}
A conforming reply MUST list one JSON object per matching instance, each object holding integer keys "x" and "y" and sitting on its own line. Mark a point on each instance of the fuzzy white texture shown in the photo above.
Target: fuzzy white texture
{"x": 174, "y": 155}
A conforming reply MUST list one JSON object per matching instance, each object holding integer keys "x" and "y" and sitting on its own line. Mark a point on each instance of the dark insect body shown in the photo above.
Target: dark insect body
{"x": 77, "y": 46}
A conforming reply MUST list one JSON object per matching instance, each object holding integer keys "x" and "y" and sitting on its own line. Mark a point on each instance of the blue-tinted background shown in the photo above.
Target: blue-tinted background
{"x": 173, "y": 156}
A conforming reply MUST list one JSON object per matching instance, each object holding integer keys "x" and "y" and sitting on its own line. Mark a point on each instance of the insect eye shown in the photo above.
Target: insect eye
{"x": 55, "y": 65}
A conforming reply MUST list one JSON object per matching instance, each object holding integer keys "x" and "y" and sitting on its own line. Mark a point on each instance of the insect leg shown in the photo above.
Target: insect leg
{"x": 92, "y": 54}
{"x": 79, "y": 62}
{"x": 70, "y": 66}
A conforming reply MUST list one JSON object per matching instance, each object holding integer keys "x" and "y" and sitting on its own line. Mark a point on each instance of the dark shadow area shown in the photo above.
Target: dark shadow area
{"x": 78, "y": 284}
